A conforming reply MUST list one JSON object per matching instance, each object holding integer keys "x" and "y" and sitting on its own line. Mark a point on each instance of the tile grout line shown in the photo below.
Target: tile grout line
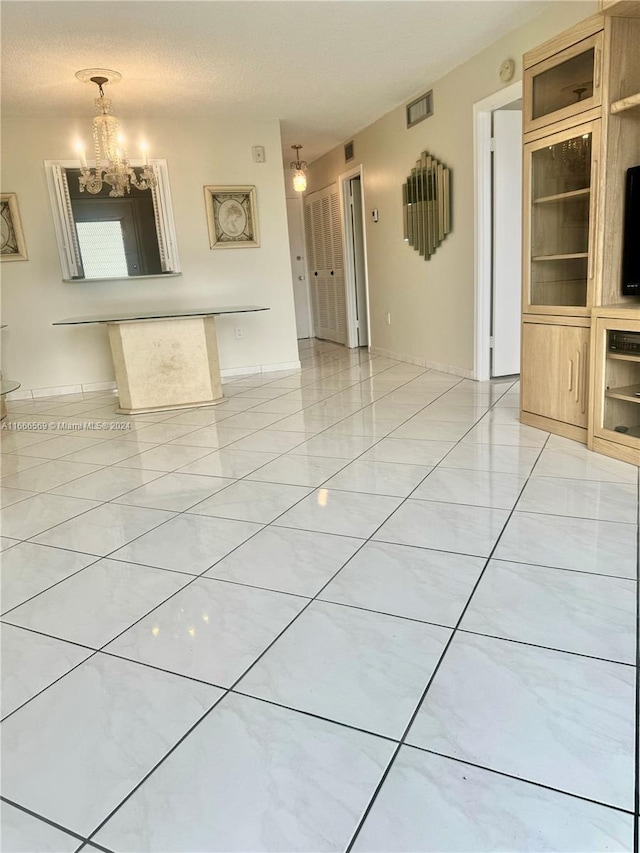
{"x": 505, "y": 775}
{"x": 430, "y": 681}
{"x": 46, "y": 820}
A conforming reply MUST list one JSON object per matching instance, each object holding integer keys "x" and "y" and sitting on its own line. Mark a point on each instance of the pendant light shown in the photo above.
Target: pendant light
{"x": 298, "y": 168}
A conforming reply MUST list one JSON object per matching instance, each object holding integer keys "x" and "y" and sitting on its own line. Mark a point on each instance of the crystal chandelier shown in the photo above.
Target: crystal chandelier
{"x": 298, "y": 168}
{"x": 111, "y": 162}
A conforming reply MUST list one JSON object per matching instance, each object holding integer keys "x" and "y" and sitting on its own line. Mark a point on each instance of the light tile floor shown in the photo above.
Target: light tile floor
{"x": 355, "y": 607}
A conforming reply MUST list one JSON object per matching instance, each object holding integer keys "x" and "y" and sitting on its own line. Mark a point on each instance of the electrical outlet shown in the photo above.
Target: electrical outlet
{"x": 239, "y": 333}
{"x": 258, "y": 154}
{"x": 388, "y": 319}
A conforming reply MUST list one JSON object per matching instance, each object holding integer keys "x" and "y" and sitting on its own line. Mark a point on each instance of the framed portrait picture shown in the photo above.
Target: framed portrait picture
{"x": 231, "y": 217}
{"x": 12, "y": 247}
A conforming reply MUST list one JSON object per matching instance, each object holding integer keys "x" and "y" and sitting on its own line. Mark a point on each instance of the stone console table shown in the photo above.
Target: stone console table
{"x": 164, "y": 360}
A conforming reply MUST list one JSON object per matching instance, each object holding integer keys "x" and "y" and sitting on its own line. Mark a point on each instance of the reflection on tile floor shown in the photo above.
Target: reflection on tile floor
{"x": 357, "y": 606}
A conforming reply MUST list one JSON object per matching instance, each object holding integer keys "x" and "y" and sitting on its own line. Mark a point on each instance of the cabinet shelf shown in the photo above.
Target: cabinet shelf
{"x": 625, "y": 104}
{"x": 633, "y": 431}
{"x": 575, "y": 282}
{"x": 620, "y": 356}
{"x": 630, "y": 393}
{"x": 562, "y": 196}
{"x": 567, "y": 257}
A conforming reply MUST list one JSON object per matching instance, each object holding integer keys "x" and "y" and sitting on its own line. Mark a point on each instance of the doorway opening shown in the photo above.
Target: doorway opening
{"x": 355, "y": 258}
{"x": 498, "y": 211}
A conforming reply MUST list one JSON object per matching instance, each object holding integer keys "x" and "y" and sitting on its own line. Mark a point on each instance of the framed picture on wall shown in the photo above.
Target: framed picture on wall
{"x": 231, "y": 217}
{"x": 13, "y": 247}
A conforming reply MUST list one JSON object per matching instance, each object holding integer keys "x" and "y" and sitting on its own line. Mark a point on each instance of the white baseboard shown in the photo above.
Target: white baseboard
{"x": 422, "y": 362}
{"x": 260, "y": 368}
{"x": 18, "y": 395}
{"x": 58, "y": 390}
{"x": 101, "y": 386}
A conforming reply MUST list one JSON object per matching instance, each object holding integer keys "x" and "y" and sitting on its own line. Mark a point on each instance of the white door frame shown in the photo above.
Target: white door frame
{"x": 482, "y": 111}
{"x": 349, "y": 260}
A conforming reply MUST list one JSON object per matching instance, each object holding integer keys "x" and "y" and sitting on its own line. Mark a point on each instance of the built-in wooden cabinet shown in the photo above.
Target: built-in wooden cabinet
{"x": 623, "y": 8}
{"x": 581, "y": 133}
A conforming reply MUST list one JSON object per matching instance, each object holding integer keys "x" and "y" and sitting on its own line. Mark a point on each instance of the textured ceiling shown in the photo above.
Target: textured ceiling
{"x": 325, "y": 68}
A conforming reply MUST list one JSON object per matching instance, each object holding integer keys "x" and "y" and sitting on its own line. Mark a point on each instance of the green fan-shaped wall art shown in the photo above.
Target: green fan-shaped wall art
{"x": 426, "y": 205}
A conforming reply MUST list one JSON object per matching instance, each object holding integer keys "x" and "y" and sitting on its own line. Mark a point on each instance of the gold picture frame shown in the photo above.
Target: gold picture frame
{"x": 232, "y": 217}
{"x": 12, "y": 246}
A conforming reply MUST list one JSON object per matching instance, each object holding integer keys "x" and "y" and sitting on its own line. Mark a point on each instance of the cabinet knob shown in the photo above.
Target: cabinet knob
{"x": 331, "y": 272}
{"x": 316, "y": 272}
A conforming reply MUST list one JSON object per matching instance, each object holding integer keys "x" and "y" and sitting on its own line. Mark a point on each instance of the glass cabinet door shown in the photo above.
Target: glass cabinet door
{"x": 560, "y": 175}
{"x": 566, "y": 84}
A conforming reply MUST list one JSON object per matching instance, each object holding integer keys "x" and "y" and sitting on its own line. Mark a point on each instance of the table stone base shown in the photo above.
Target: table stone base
{"x": 162, "y": 365}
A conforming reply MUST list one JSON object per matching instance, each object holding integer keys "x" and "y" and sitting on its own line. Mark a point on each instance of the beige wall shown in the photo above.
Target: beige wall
{"x": 432, "y": 302}
{"x": 199, "y": 152}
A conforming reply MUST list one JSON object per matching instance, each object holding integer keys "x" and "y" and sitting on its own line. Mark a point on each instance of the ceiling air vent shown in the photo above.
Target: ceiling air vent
{"x": 348, "y": 151}
{"x": 420, "y": 109}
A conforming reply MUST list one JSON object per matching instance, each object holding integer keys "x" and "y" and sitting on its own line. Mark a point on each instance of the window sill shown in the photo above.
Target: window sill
{"x": 123, "y": 278}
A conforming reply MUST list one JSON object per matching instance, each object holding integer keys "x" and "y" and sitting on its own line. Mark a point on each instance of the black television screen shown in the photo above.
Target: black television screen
{"x": 631, "y": 248}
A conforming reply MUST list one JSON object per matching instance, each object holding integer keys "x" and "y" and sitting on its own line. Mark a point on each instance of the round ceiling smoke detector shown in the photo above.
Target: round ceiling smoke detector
{"x": 105, "y": 75}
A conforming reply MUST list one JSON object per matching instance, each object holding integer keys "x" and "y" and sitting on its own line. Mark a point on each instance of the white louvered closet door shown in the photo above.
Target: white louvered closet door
{"x": 323, "y": 231}
{"x": 311, "y": 260}
{"x": 319, "y": 274}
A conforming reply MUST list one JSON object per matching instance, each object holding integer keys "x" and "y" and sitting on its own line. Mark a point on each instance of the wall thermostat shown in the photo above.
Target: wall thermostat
{"x": 507, "y": 70}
